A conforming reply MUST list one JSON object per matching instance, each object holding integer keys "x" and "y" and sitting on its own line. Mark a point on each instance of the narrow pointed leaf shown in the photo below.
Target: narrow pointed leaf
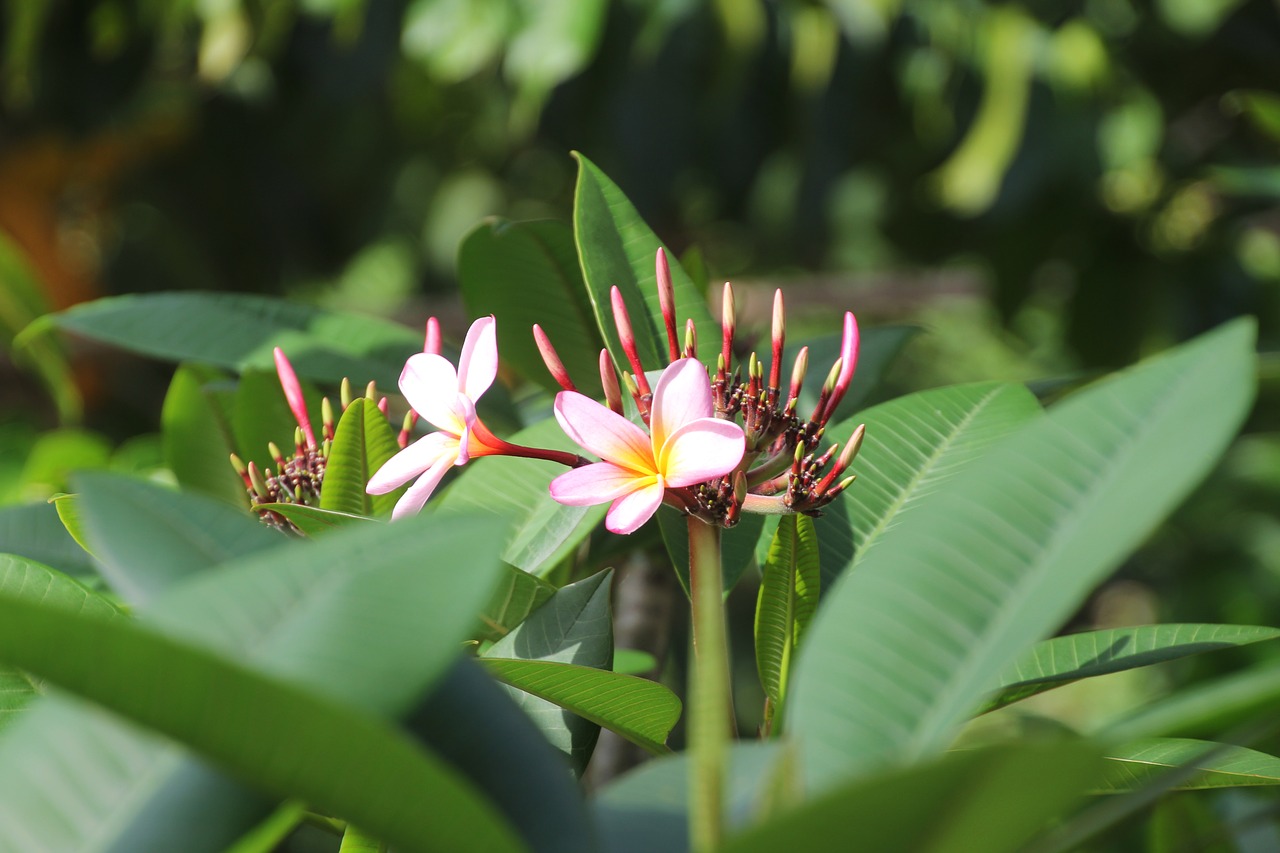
{"x": 36, "y": 532}
{"x": 1133, "y": 766}
{"x": 786, "y": 602}
{"x": 362, "y": 443}
{"x": 909, "y": 643}
{"x": 526, "y": 273}
{"x": 304, "y": 744}
{"x": 617, "y": 249}
{"x": 1062, "y": 660}
{"x": 640, "y": 710}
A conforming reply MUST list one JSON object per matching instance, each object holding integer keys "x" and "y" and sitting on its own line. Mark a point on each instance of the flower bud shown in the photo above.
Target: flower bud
{"x": 667, "y": 301}
{"x": 552, "y": 359}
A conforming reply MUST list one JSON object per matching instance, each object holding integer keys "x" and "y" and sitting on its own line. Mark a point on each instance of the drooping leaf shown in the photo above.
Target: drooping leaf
{"x": 526, "y": 273}
{"x": 238, "y": 331}
{"x": 574, "y": 626}
{"x": 617, "y": 249}
{"x": 913, "y": 445}
{"x": 286, "y": 611}
{"x": 640, "y": 710}
{"x": 301, "y": 744}
{"x": 979, "y": 569}
{"x": 470, "y": 721}
{"x": 991, "y": 800}
{"x": 518, "y": 594}
{"x": 1132, "y": 766}
{"x": 542, "y": 532}
{"x": 196, "y": 437}
{"x": 786, "y": 602}
{"x": 1062, "y": 660}
{"x": 68, "y": 509}
{"x": 36, "y": 532}
{"x": 146, "y": 536}
{"x": 737, "y": 545}
{"x": 362, "y": 443}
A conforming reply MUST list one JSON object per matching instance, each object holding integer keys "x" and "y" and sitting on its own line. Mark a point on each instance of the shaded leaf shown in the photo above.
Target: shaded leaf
{"x": 1134, "y": 765}
{"x": 312, "y": 520}
{"x": 737, "y": 545}
{"x": 196, "y": 437}
{"x": 518, "y": 594}
{"x": 35, "y": 531}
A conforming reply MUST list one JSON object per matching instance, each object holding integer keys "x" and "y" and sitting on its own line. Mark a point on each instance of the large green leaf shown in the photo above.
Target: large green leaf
{"x": 362, "y": 443}
{"x": 470, "y": 722}
{"x": 34, "y": 531}
{"x": 29, "y": 580}
{"x": 575, "y": 626}
{"x": 737, "y": 545}
{"x": 990, "y": 800}
{"x": 518, "y": 594}
{"x": 526, "y": 273}
{"x": 238, "y": 331}
{"x": 979, "y": 569}
{"x": 297, "y": 611}
{"x": 542, "y": 532}
{"x": 786, "y": 602}
{"x": 283, "y": 738}
{"x": 1134, "y": 765}
{"x": 640, "y": 710}
{"x": 146, "y": 536}
{"x": 617, "y": 249}
{"x": 913, "y": 445}
{"x": 196, "y": 437}
{"x": 1062, "y": 660}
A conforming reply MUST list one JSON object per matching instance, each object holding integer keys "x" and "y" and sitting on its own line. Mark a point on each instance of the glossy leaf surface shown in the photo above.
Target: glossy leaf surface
{"x": 362, "y": 443}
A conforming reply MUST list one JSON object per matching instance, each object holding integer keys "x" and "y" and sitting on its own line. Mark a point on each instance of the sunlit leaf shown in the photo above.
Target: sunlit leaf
{"x": 786, "y": 602}
{"x": 362, "y": 443}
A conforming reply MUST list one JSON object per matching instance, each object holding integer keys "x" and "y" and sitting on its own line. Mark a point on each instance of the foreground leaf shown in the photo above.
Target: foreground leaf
{"x": 1062, "y": 660}
{"x": 34, "y": 531}
{"x": 908, "y": 644}
{"x": 788, "y": 596}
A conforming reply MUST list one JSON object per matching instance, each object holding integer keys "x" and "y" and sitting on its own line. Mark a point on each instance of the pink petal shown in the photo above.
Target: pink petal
{"x": 701, "y": 450}
{"x": 630, "y": 511}
{"x": 848, "y": 350}
{"x": 683, "y": 394}
{"x": 479, "y": 362}
{"x": 597, "y": 483}
{"x": 413, "y": 499}
{"x": 293, "y": 394}
{"x": 606, "y": 434}
{"x": 413, "y": 461}
{"x": 430, "y": 384}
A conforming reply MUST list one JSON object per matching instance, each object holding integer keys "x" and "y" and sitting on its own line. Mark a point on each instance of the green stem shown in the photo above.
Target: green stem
{"x": 710, "y": 700}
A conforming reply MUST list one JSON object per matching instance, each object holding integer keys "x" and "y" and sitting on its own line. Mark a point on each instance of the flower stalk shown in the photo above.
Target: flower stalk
{"x": 710, "y": 696}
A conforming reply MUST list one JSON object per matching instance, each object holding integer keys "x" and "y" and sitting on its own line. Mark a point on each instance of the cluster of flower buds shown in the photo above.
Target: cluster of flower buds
{"x": 780, "y": 470}
{"x": 299, "y": 478}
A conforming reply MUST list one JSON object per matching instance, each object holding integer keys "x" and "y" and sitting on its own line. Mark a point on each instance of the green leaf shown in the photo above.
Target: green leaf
{"x": 518, "y": 594}
{"x": 784, "y": 607}
{"x": 640, "y": 710}
{"x": 362, "y": 443}
{"x": 196, "y": 438}
{"x": 268, "y": 835}
{"x": 991, "y": 800}
{"x": 617, "y": 249}
{"x": 1062, "y": 660}
{"x": 1133, "y": 766}
{"x": 542, "y": 532}
{"x": 356, "y": 841}
{"x": 913, "y": 446}
{"x": 1203, "y": 709}
{"x": 285, "y": 739}
{"x": 951, "y": 594}
{"x": 575, "y": 626}
{"x": 35, "y": 531}
{"x": 312, "y": 520}
{"x": 737, "y": 545}
{"x": 146, "y": 536}
{"x": 471, "y": 723}
{"x": 259, "y": 414}
{"x": 295, "y": 611}
{"x": 237, "y": 331}
{"x": 68, "y": 509}
{"x": 526, "y": 273}
{"x": 29, "y": 580}
{"x": 633, "y": 662}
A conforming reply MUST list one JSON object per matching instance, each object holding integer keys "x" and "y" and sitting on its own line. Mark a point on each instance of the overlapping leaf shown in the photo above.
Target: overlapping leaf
{"x": 1134, "y": 765}
{"x": 788, "y": 597}
{"x": 362, "y": 443}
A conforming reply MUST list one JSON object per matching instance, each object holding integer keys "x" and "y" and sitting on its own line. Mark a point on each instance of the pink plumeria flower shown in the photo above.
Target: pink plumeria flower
{"x": 445, "y": 398}
{"x": 686, "y": 446}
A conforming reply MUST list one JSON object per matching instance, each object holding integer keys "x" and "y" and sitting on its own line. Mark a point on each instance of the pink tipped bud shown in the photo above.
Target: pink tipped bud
{"x": 293, "y": 394}
{"x": 371, "y": 391}
{"x": 848, "y": 363}
{"x": 727, "y": 324}
{"x": 667, "y": 301}
{"x": 690, "y": 339}
{"x": 609, "y": 381}
{"x": 552, "y": 359}
{"x": 344, "y": 393}
{"x": 623, "y": 321}
{"x": 382, "y": 406}
{"x": 798, "y": 372}
{"x": 779, "y": 335}
{"x": 406, "y": 428}
{"x": 431, "y": 342}
{"x": 274, "y": 450}
{"x": 851, "y": 449}
{"x": 326, "y": 417}
{"x": 257, "y": 482}
{"x": 298, "y": 445}
{"x": 238, "y": 464}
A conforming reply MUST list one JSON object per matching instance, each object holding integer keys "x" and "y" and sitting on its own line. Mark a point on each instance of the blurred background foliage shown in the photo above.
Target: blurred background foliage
{"x": 1049, "y": 189}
